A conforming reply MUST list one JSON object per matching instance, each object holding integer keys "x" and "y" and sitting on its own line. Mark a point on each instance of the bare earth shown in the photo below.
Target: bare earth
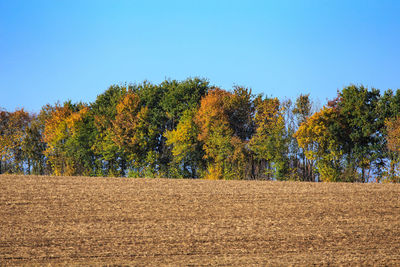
{"x": 81, "y": 220}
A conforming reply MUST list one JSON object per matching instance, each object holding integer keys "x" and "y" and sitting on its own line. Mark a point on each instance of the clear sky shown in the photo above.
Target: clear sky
{"x": 59, "y": 50}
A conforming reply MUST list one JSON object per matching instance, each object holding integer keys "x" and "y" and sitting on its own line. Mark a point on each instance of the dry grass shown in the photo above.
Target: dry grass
{"x": 78, "y": 220}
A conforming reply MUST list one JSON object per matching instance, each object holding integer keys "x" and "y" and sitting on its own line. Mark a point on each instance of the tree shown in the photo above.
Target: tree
{"x": 158, "y": 154}
{"x": 388, "y": 110}
{"x": 268, "y": 143}
{"x": 12, "y": 133}
{"x": 33, "y": 146}
{"x": 241, "y": 109}
{"x": 317, "y": 136}
{"x": 393, "y": 143}
{"x": 186, "y": 149}
{"x": 132, "y": 131}
{"x": 180, "y": 97}
{"x": 109, "y": 158}
{"x": 215, "y": 133}
{"x": 361, "y": 136}
{"x": 65, "y": 147}
{"x": 4, "y": 117}
{"x": 302, "y": 111}
{"x": 78, "y": 146}
{"x": 302, "y": 108}
{"x": 55, "y": 135}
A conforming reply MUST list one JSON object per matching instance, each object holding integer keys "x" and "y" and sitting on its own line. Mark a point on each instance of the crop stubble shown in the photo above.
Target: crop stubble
{"x": 82, "y": 220}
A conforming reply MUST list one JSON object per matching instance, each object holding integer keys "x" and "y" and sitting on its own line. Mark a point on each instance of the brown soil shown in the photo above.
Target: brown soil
{"x": 99, "y": 221}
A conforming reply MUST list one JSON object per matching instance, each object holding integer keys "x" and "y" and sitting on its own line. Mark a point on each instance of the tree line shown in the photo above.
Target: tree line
{"x": 190, "y": 129}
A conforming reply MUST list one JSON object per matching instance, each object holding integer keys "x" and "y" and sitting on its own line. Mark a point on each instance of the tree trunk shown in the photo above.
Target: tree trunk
{"x": 29, "y": 166}
{"x": 363, "y": 174}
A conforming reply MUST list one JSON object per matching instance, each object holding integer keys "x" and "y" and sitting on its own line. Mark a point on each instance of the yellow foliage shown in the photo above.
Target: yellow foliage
{"x": 184, "y": 137}
{"x": 313, "y": 135}
{"x": 214, "y": 172}
{"x": 319, "y": 143}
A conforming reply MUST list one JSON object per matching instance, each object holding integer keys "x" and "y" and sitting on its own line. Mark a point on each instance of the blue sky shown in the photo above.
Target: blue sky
{"x": 60, "y": 50}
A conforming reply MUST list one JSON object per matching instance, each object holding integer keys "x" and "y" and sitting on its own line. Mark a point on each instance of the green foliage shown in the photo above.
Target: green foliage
{"x": 180, "y": 97}
{"x": 302, "y": 108}
{"x": 109, "y": 158}
{"x": 33, "y": 147}
{"x": 362, "y": 138}
{"x": 268, "y": 143}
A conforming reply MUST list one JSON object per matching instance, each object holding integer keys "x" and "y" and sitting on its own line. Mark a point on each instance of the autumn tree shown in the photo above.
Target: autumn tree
{"x": 133, "y": 133}
{"x": 388, "y": 112}
{"x": 186, "y": 149}
{"x": 240, "y": 108}
{"x": 215, "y": 133}
{"x": 55, "y": 135}
{"x": 12, "y": 133}
{"x": 63, "y": 137}
{"x": 225, "y": 122}
{"x": 393, "y": 143}
{"x": 320, "y": 143}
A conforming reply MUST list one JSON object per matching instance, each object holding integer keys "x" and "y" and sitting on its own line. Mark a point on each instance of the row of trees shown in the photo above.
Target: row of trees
{"x": 189, "y": 129}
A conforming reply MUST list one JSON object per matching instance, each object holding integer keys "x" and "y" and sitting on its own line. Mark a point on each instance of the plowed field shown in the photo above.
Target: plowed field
{"x": 99, "y": 221}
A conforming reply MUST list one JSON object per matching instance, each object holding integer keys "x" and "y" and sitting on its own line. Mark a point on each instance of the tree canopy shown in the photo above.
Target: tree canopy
{"x": 191, "y": 129}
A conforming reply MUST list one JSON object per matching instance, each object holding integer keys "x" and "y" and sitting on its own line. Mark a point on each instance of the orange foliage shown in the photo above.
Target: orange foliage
{"x": 393, "y": 132}
{"x": 212, "y": 112}
{"x": 131, "y": 127}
